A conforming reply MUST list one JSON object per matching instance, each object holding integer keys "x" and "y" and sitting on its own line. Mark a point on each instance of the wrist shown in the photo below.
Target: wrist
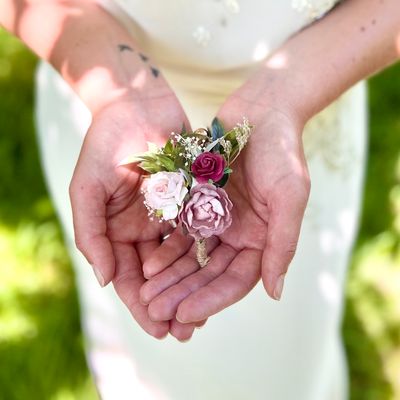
{"x": 102, "y": 88}
{"x": 269, "y": 93}
{"x": 98, "y": 57}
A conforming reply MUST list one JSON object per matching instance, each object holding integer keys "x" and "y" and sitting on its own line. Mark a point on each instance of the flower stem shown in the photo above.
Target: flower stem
{"x": 201, "y": 252}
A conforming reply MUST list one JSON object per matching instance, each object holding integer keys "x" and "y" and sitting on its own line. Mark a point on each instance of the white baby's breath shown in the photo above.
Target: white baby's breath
{"x": 193, "y": 146}
{"x": 226, "y": 145}
{"x": 242, "y": 132}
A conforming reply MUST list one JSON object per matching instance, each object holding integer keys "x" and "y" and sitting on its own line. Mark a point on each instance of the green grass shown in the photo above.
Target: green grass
{"x": 371, "y": 326}
{"x": 41, "y": 349}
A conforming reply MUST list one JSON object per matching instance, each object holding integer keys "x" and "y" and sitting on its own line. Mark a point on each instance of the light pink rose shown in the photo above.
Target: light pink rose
{"x": 164, "y": 192}
{"x": 207, "y": 212}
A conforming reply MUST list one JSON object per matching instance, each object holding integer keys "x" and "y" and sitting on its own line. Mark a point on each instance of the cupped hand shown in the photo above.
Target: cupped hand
{"x": 269, "y": 188}
{"x": 111, "y": 225}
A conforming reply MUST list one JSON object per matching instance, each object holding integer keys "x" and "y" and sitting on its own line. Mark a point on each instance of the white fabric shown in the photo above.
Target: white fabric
{"x": 258, "y": 348}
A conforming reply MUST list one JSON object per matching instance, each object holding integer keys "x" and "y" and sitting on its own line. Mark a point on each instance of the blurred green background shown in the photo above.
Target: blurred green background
{"x": 41, "y": 345}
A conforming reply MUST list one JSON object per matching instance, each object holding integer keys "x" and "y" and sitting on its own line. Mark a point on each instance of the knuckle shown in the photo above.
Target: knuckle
{"x": 71, "y": 189}
{"x": 282, "y": 255}
{"x": 296, "y": 187}
{"x": 307, "y": 184}
{"x": 302, "y": 187}
{"x": 79, "y": 243}
{"x": 156, "y": 313}
{"x": 158, "y": 331}
{"x": 291, "y": 249}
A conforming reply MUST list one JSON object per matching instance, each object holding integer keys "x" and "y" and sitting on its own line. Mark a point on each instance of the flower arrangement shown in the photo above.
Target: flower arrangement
{"x": 186, "y": 180}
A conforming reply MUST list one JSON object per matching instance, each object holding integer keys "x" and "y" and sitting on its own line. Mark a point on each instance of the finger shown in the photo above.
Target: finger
{"x": 284, "y": 223}
{"x": 200, "y": 324}
{"x": 127, "y": 282}
{"x": 236, "y": 282}
{"x": 164, "y": 306}
{"x": 182, "y": 332}
{"x": 174, "y": 247}
{"x": 146, "y": 249}
{"x": 90, "y": 226}
{"x": 179, "y": 270}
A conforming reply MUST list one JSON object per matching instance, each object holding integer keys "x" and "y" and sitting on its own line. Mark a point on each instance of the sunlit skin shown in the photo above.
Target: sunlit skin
{"x": 270, "y": 183}
{"x": 131, "y": 103}
{"x": 112, "y": 228}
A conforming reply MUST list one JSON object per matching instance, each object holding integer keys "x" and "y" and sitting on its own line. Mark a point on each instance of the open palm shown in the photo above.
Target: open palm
{"x": 111, "y": 225}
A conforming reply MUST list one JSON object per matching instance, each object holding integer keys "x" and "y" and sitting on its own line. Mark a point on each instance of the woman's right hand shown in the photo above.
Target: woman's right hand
{"x": 111, "y": 225}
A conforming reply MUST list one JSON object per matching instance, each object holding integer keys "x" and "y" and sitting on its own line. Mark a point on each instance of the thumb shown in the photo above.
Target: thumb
{"x": 88, "y": 203}
{"x": 284, "y": 223}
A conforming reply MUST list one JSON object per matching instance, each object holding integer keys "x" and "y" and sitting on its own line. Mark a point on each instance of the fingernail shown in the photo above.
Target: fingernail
{"x": 99, "y": 276}
{"x": 184, "y": 340}
{"x": 279, "y": 287}
{"x": 143, "y": 302}
{"x": 179, "y": 320}
{"x": 147, "y": 274}
{"x": 162, "y": 337}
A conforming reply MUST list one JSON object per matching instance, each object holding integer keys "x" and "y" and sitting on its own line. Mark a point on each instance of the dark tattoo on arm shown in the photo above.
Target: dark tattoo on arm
{"x": 155, "y": 72}
{"x": 124, "y": 47}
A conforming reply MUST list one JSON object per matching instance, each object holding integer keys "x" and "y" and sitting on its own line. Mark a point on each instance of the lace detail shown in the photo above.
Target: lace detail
{"x": 313, "y": 9}
{"x": 202, "y": 35}
{"x": 334, "y": 145}
{"x": 326, "y": 136}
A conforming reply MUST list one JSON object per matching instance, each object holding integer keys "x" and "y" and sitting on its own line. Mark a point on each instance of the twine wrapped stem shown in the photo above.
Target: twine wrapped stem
{"x": 201, "y": 252}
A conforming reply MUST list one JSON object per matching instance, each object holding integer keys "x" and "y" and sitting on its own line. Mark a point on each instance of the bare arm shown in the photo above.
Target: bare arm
{"x": 355, "y": 40}
{"x": 90, "y": 49}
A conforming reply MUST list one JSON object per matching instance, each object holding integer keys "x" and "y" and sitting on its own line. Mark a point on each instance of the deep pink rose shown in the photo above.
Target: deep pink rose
{"x": 207, "y": 212}
{"x": 208, "y": 166}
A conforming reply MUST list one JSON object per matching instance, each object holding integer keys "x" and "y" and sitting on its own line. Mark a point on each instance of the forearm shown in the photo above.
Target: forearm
{"x": 90, "y": 49}
{"x": 315, "y": 66}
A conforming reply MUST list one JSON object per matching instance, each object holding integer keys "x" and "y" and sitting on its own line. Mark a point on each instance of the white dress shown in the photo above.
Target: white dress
{"x": 257, "y": 348}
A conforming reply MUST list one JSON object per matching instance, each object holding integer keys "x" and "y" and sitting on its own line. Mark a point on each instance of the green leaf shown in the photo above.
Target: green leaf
{"x": 169, "y": 147}
{"x": 222, "y": 182}
{"x": 180, "y": 163}
{"x": 150, "y": 167}
{"x": 217, "y": 130}
{"x": 149, "y": 157}
{"x": 135, "y": 158}
{"x": 166, "y": 162}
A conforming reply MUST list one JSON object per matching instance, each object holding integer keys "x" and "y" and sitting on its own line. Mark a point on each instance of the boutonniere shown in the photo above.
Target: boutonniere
{"x": 185, "y": 180}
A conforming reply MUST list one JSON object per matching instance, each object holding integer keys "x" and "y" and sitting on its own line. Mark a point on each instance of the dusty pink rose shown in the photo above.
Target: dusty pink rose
{"x": 207, "y": 212}
{"x": 208, "y": 166}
